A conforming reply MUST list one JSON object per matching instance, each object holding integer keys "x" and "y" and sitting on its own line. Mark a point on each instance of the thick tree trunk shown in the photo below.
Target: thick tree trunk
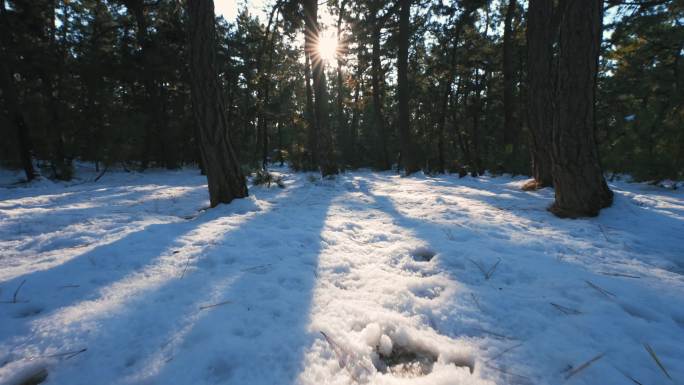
{"x": 224, "y": 176}
{"x": 326, "y": 155}
{"x": 408, "y": 150}
{"x": 376, "y": 76}
{"x": 578, "y": 179}
{"x": 541, "y": 34}
{"x": 508, "y": 73}
{"x": 10, "y": 97}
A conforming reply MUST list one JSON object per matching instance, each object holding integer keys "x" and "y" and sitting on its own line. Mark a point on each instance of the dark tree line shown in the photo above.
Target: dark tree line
{"x": 574, "y": 89}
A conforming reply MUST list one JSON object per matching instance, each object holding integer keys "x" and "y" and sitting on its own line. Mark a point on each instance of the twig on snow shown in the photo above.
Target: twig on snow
{"x": 653, "y": 354}
{"x": 67, "y": 355}
{"x": 501, "y": 353}
{"x": 215, "y": 305}
{"x": 565, "y": 310}
{"x": 603, "y": 231}
{"x": 600, "y": 290}
{"x": 16, "y": 293}
{"x": 187, "y": 262}
{"x": 583, "y": 366}
{"x": 618, "y": 274}
{"x": 477, "y": 302}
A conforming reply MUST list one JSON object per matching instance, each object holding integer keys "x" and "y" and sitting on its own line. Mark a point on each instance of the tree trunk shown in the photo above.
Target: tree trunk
{"x": 341, "y": 116}
{"x": 10, "y": 97}
{"x": 326, "y": 155}
{"x": 224, "y": 176}
{"x": 311, "y": 117}
{"x": 541, "y": 34}
{"x": 376, "y": 70}
{"x": 578, "y": 179}
{"x": 408, "y": 150}
{"x": 508, "y": 92}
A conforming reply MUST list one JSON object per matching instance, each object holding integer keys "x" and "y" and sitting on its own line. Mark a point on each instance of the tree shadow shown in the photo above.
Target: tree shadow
{"x": 240, "y": 303}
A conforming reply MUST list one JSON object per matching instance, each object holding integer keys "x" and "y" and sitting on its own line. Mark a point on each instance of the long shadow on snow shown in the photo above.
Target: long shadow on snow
{"x": 65, "y": 285}
{"x": 265, "y": 268}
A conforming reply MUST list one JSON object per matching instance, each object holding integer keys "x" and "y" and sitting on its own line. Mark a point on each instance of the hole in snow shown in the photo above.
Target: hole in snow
{"x": 403, "y": 361}
{"x": 422, "y": 254}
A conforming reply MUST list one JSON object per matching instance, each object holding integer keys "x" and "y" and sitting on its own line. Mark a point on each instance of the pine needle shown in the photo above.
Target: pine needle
{"x": 583, "y": 366}
{"x": 653, "y": 354}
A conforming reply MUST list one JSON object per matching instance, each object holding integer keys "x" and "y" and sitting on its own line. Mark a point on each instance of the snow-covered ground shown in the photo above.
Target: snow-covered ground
{"x": 417, "y": 280}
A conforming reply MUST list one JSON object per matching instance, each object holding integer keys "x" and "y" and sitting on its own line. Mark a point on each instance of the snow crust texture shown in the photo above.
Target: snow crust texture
{"x": 368, "y": 278}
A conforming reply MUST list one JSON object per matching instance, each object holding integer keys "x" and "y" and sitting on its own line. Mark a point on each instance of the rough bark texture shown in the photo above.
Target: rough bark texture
{"x": 508, "y": 73}
{"x": 541, "y": 33}
{"x": 376, "y": 70}
{"x": 224, "y": 176}
{"x": 578, "y": 179}
{"x": 408, "y": 150}
{"x": 326, "y": 154}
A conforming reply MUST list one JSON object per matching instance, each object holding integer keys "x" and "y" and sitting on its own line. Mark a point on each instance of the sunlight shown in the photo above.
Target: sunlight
{"x": 327, "y": 46}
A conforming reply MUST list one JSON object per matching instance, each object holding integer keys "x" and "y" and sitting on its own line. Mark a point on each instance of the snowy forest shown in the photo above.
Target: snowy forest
{"x": 341, "y": 192}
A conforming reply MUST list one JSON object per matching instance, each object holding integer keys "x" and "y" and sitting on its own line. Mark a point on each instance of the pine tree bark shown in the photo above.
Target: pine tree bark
{"x": 225, "y": 179}
{"x": 376, "y": 69}
{"x": 326, "y": 155}
{"x": 508, "y": 92}
{"x": 581, "y": 189}
{"x": 541, "y": 34}
{"x": 408, "y": 150}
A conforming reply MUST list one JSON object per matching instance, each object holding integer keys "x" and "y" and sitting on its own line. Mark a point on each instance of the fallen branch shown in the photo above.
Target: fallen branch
{"x": 215, "y": 305}
{"x": 583, "y": 366}
{"x": 653, "y": 354}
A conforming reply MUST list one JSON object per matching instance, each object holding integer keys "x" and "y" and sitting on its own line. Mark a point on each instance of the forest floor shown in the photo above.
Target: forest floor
{"x": 418, "y": 280}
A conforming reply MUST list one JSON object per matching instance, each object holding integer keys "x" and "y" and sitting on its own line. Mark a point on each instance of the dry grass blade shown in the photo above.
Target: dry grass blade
{"x": 565, "y": 310}
{"x": 600, "y": 290}
{"x": 504, "y": 371}
{"x": 629, "y": 377}
{"x": 477, "y": 302}
{"x": 583, "y": 366}
{"x": 619, "y": 274}
{"x": 214, "y": 305}
{"x": 653, "y": 354}
{"x": 501, "y": 353}
{"x": 486, "y": 273}
{"x": 491, "y": 271}
{"x": 16, "y": 292}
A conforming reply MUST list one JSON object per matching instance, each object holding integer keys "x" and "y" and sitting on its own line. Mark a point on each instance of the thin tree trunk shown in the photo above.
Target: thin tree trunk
{"x": 508, "y": 73}
{"x": 541, "y": 33}
{"x": 376, "y": 70}
{"x": 225, "y": 179}
{"x": 310, "y": 115}
{"x": 408, "y": 150}
{"x": 581, "y": 189}
{"x": 341, "y": 116}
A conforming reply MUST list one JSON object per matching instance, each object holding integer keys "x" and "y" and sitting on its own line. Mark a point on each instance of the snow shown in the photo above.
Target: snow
{"x": 367, "y": 278}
